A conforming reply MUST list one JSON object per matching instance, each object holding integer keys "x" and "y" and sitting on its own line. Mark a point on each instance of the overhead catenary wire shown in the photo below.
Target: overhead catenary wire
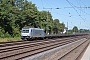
{"x": 83, "y": 3}
{"x": 42, "y": 4}
{"x": 85, "y": 7}
{"x": 59, "y": 8}
{"x": 75, "y": 10}
{"x": 81, "y": 10}
{"x": 50, "y": 8}
{"x": 79, "y": 7}
{"x": 47, "y": 3}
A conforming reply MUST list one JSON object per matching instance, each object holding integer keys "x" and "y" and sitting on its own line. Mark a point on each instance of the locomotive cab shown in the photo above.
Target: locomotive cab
{"x": 25, "y": 34}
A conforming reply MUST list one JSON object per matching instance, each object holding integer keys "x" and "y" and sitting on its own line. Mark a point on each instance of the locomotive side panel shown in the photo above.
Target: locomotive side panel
{"x": 37, "y": 33}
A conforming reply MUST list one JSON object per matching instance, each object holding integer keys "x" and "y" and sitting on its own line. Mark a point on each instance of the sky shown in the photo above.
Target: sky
{"x": 73, "y": 12}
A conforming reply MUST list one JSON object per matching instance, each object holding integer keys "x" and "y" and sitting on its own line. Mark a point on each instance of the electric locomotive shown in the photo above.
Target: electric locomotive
{"x": 32, "y": 33}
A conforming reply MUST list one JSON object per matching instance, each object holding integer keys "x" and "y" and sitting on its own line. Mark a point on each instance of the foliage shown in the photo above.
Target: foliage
{"x": 57, "y": 26}
{"x": 16, "y": 14}
{"x": 9, "y": 39}
{"x": 69, "y": 32}
{"x": 84, "y": 31}
{"x": 75, "y": 29}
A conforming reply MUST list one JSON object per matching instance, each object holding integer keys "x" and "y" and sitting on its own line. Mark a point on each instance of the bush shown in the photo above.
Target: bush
{"x": 7, "y": 35}
{"x": 2, "y": 33}
{"x": 69, "y": 33}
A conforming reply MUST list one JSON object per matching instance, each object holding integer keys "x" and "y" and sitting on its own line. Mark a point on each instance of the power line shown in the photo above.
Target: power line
{"x": 75, "y": 10}
{"x": 76, "y": 7}
{"x": 83, "y": 3}
{"x": 51, "y": 8}
{"x": 79, "y": 9}
{"x": 47, "y": 3}
{"x": 86, "y": 7}
{"x": 47, "y": 18}
{"x": 42, "y": 3}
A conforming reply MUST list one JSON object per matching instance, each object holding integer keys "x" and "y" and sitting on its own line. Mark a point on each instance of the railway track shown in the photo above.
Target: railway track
{"x": 22, "y": 43}
{"x": 20, "y": 50}
{"x": 73, "y": 54}
{"x": 4, "y": 44}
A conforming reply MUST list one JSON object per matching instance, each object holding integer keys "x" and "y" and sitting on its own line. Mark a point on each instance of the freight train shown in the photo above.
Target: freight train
{"x": 32, "y": 33}
{"x": 37, "y": 33}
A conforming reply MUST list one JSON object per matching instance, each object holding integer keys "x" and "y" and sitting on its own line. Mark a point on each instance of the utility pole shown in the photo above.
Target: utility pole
{"x": 47, "y": 23}
{"x": 67, "y": 27}
{"x": 47, "y": 19}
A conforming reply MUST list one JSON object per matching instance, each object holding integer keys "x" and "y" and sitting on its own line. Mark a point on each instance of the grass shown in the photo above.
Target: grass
{"x": 9, "y": 39}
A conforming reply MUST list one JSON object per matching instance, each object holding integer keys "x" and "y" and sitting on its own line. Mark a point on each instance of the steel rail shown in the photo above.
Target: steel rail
{"x": 70, "y": 51}
{"x": 30, "y": 51}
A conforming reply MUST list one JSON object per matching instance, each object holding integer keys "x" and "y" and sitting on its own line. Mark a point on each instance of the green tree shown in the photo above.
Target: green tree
{"x": 75, "y": 29}
{"x": 50, "y": 23}
{"x": 62, "y": 26}
{"x": 45, "y": 21}
{"x": 16, "y": 14}
{"x": 5, "y": 16}
{"x": 8, "y": 16}
{"x": 57, "y": 26}
{"x": 29, "y": 14}
{"x": 42, "y": 17}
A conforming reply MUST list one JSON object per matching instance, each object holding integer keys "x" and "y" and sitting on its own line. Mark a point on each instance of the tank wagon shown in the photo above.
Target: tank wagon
{"x": 32, "y": 33}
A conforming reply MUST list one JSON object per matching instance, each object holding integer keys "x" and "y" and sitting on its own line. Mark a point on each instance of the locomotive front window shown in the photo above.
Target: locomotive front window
{"x": 25, "y": 31}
